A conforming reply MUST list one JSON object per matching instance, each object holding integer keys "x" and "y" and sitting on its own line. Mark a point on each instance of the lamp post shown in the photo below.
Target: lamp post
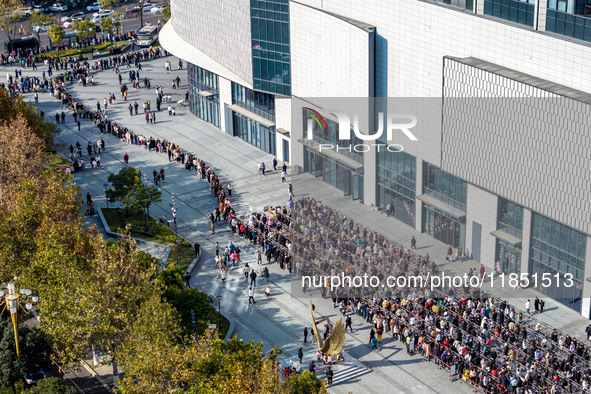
{"x": 106, "y": 185}
{"x": 219, "y": 297}
{"x": 12, "y": 300}
{"x": 178, "y": 248}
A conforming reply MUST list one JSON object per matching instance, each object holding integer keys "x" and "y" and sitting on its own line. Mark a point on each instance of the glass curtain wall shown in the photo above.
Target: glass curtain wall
{"x": 558, "y": 250}
{"x": 205, "y": 106}
{"x": 396, "y": 181}
{"x": 270, "y": 46}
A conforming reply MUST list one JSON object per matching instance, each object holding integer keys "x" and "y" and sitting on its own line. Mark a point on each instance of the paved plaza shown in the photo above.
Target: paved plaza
{"x": 279, "y": 319}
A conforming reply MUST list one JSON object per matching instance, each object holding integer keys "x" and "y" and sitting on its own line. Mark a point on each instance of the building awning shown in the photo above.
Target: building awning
{"x": 452, "y": 211}
{"x": 205, "y": 93}
{"x": 332, "y": 155}
{"x": 505, "y": 236}
{"x": 283, "y": 131}
{"x": 257, "y": 118}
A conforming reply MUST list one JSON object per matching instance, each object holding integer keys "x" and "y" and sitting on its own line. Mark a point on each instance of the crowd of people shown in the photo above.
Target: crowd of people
{"x": 488, "y": 342}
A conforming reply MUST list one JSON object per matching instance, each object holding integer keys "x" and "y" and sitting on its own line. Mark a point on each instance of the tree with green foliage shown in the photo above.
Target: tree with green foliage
{"x": 305, "y": 383}
{"x": 56, "y": 34}
{"x": 14, "y": 107}
{"x": 34, "y": 349}
{"x": 129, "y": 190}
{"x": 165, "y": 14}
{"x": 41, "y": 19}
{"x": 107, "y": 26}
{"x": 85, "y": 30}
{"x": 9, "y": 15}
{"x": 109, "y": 4}
{"x": 52, "y": 386}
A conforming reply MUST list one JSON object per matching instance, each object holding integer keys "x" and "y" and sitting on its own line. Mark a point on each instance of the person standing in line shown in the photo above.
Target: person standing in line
{"x": 301, "y": 355}
{"x": 329, "y": 375}
{"x": 212, "y": 219}
{"x": 229, "y": 189}
{"x": 306, "y": 334}
{"x": 413, "y": 243}
{"x": 251, "y": 295}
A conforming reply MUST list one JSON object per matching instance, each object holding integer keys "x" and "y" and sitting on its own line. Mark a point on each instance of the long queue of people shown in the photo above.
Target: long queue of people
{"x": 488, "y": 342}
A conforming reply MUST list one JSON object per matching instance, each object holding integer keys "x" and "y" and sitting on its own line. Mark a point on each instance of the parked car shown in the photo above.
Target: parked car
{"x": 96, "y": 18}
{"x": 158, "y": 9}
{"x": 40, "y": 29}
{"x": 58, "y": 7}
{"x": 148, "y": 6}
{"x": 103, "y": 13}
{"x": 39, "y": 8}
{"x": 32, "y": 378}
{"x": 25, "y": 11}
{"x": 132, "y": 13}
{"x": 96, "y": 6}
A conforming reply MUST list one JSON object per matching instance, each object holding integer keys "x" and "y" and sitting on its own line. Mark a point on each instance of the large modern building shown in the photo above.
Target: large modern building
{"x": 506, "y": 170}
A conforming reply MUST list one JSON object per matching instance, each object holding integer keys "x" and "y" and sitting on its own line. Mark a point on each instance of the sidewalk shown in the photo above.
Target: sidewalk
{"x": 280, "y": 319}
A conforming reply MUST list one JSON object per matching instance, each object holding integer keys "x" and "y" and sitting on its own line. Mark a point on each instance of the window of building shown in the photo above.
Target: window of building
{"x": 254, "y": 133}
{"x": 510, "y": 217}
{"x": 262, "y": 104}
{"x": 334, "y": 173}
{"x": 204, "y": 98}
{"x": 444, "y": 186}
{"x": 330, "y": 136}
{"x": 558, "y": 249}
{"x": 463, "y": 4}
{"x": 521, "y": 12}
{"x": 571, "y": 18}
{"x": 270, "y": 46}
{"x": 396, "y": 180}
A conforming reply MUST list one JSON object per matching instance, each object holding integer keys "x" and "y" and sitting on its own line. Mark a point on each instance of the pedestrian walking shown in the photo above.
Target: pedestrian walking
{"x": 537, "y": 305}
{"x": 197, "y": 246}
{"x": 329, "y": 375}
{"x": 306, "y": 334}
{"x": 251, "y": 295}
{"x": 162, "y": 174}
{"x": 283, "y": 176}
{"x": 126, "y": 158}
{"x": 78, "y": 123}
{"x": 527, "y": 305}
{"x": 413, "y": 243}
{"x": 542, "y": 303}
{"x": 223, "y": 273}
{"x": 217, "y": 249}
{"x": 301, "y": 355}
{"x": 246, "y": 270}
{"x": 253, "y": 278}
{"x": 88, "y": 198}
{"x": 262, "y": 168}
{"x": 274, "y": 164}
{"x": 188, "y": 280}
{"x": 348, "y": 323}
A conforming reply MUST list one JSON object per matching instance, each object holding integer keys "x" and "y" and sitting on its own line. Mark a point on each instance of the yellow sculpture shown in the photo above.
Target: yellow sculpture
{"x": 333, "y": 345}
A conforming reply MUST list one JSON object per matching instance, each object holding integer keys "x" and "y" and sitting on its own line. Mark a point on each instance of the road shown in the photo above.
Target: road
{"x": 131, "y": 24}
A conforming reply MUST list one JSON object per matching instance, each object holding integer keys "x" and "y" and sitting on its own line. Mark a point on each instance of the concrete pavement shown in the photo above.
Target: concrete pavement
{"x": 280, "y": 319}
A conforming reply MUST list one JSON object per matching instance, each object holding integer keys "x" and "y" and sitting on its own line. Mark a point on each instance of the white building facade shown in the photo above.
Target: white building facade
{"x": 505, "y": 173}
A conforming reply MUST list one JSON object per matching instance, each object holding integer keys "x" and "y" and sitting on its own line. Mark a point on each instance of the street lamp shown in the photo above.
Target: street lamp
{"x": 106, "y": 185}
{"x": 219, "y": 298}
{"x": 12, "y": 300}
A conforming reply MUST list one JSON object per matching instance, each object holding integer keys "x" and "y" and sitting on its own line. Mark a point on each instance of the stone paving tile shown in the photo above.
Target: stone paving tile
{"x": 278, "y": 320}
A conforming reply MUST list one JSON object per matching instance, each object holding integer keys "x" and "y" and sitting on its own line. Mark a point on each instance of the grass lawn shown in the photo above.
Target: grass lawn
{"x": 57, "y": 161}
{"x": 155, "y": 232}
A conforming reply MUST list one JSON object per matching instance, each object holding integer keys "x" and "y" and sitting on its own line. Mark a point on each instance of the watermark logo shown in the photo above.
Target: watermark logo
{"x": 344, "y": 131}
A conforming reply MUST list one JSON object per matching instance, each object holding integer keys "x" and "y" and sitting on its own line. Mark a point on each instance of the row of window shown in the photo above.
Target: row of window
{"x": 262, "y": 104}
{"x": 330, "y": 136}
{"x": 510, "y": 217}
{"x": 254, "y": 133}
{"x": 202, "y": 79}
{"x": 445, "y": 186}
{"x": 270, "y": 46}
